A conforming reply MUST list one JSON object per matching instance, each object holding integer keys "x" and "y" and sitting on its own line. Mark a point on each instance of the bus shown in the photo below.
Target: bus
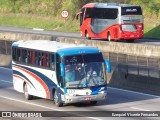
{"x": 111, "y": 21}
{"x": 64, "y": 73}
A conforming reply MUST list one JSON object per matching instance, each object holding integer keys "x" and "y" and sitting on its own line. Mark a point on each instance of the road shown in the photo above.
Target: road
{"x": 65, "y": 34}
{"x": 118, "y": 100}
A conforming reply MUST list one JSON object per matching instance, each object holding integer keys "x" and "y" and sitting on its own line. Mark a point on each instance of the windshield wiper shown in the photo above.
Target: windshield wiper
{"x": 83, "y": 76}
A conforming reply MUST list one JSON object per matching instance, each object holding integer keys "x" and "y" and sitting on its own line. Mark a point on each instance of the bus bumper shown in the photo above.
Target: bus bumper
{"x": 131, "y": 36}
{"x": 76, "y": 99}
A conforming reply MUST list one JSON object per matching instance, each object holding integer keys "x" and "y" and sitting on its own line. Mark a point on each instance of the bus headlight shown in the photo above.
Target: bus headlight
{"x": 102, "y": 92}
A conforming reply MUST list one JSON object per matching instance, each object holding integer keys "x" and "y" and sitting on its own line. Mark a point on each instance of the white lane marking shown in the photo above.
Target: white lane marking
{"x": 6, "y": 81}
{"x": 139, "y": 109}
{"x": 135, "y": 92}
{"x": 5, "y": 68}
{"x": 43, "y": 106}
{"x": 94, "y": 118}
{"x": 29, "y": 103}
{"x": 38, "y": 29}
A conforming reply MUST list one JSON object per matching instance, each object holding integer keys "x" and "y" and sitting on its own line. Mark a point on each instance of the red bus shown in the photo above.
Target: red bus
{"x": 112, "y": 21}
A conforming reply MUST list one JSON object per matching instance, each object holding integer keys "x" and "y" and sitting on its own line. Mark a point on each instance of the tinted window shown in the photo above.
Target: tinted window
{"x": 81, "y": 16}
{"x": 101, "y": 13}
{"x": 16, "y": 54}
{"x": 131, "y": 11}
{"x": 74, "y": 59}
{"x": 106, "y": 13}
{"x": 33, "y": 57}
{"x": 93, "y": 58}
{"x": 89, "y": 13}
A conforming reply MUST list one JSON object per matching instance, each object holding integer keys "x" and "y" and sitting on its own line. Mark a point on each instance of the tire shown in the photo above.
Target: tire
{"x": 87, "y": 36}
{"x": 109, "y": 37}
{"x": 57, "y": 103}
{"x": 93, "y": 102}
{"x": 130, "y": 41}
{"x": 26, "y": 94}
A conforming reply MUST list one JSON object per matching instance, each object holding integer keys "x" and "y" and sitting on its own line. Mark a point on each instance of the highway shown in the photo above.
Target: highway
{"x": 118, "y": 100}
{"x": 65, "y": 34}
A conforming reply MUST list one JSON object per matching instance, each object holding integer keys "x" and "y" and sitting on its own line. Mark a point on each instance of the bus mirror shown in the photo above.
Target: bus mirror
{"x": 108, "y": 66}
{"x": 77, "y": 15}
{"x": 62, "y": 69}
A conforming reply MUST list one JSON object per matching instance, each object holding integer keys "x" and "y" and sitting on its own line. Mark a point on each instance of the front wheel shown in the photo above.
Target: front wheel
{"x": 130, "y": 41}
{"x": 26, "y": 94}
{"x": 87, "y": 36}
{"x": 93, "y": 102}
{"x": 109, "y": 37}
{"x": 57, "y": 103}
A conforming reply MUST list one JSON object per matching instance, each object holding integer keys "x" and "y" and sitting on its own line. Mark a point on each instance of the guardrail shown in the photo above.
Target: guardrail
{"x": 137, "y": 65}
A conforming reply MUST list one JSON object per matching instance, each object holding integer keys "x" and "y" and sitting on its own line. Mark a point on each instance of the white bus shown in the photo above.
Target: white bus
{"x": 64, "y": 73}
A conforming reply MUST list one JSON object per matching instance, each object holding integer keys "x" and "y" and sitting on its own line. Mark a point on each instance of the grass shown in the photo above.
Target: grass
{"x": 44, "y": 22}
{"x": 152, "y": 27}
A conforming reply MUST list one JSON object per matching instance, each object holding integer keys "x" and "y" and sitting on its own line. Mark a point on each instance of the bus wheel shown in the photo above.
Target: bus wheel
{"x": 93, "y": 102}
{"x": 87, "y": 36}
{"x": 26, "y": 94}
{"x": 57, "y": 103}
{"x": 130, "y": 41}
{"x": 109, "y": 36}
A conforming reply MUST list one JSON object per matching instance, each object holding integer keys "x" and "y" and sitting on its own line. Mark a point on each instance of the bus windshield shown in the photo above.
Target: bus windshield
{"x": 102, "y": 13}
{"x": 131, "y": 10}
{"x": 83, "y": 71}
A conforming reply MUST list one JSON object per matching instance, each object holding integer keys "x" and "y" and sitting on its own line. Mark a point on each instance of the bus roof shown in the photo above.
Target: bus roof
{"x": 53, "y": 46}
{"x": 105, "y": 5}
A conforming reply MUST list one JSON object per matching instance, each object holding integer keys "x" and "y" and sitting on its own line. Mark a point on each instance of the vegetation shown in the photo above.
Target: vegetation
{"x": 46, "y": 14}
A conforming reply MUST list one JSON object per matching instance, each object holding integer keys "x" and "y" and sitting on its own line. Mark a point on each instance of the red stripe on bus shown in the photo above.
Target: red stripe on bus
{"x": 38, "y": 79}
{"x": 21, "y": 79}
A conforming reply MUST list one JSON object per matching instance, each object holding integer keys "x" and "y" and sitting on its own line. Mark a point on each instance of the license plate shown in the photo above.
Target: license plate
{"x": 88, "y": 98}
{"x": 131, "y": 35}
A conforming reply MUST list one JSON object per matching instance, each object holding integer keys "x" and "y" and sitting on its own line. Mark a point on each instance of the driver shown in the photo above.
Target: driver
{"x": 79, "y": 72}
{"x": 69, "y": 73}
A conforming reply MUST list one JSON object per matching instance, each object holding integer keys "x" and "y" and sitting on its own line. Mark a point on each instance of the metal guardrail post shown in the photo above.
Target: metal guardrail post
{"x": 159, "y": 68}
{"x": 6, "y": 47}
{"x": 148, "y": 67}
{"x": 127, "y": 65}
{"x": 137, "y": 64}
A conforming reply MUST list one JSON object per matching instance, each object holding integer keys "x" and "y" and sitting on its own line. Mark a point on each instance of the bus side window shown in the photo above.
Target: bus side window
{"x": 38, "y": 58}
{"x": 44, "y": 59}
{"x": 58, "y": 69}
{"x": 18, "y": 55}
{"x": 14, "y": 53}
{"x": 81, "y": 17}
{"x": 32, "y": 57}
{"x": 29, "y": 56}
{"x": 51, "y": 61}
{"x": 89, "y": 13}
{"x": 24, "y": 56}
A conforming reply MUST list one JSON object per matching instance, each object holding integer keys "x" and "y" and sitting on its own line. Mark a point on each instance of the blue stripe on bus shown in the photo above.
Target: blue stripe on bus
{"x": 50, "y": 84}
{"x": 95, "y": 90}
{"x": 20, "y": 74}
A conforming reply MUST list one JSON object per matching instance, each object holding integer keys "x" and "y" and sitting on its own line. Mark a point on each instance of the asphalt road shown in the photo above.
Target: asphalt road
{"x": 148, "y": 41}
{"x": 118, "y": 100}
